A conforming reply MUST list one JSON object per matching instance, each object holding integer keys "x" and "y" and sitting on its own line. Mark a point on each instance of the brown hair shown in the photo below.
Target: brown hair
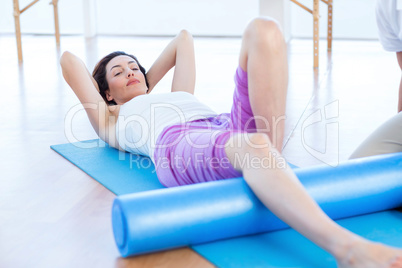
{"x": 99, "y": 73}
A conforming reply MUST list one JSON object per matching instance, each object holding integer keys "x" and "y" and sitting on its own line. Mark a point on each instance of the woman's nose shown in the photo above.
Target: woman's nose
{"x": 130, "y": 72}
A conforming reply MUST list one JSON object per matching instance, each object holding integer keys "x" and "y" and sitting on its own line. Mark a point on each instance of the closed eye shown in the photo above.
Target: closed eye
{"x": 116, "y": 74}
{"x": 133, "y": 66}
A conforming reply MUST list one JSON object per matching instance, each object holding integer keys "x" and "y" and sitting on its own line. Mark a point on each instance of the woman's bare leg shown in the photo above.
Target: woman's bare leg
{"x": 263, "y": 55}
{"x": 283, "y": 194}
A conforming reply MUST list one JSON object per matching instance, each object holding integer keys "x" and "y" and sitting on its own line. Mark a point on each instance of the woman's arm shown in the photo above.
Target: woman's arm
{"x": 85, "y": 87}
{"x": 178, "y": 53}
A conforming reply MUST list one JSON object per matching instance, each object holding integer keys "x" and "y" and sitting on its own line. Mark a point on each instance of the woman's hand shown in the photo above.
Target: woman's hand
{"x": 179, "y": 53}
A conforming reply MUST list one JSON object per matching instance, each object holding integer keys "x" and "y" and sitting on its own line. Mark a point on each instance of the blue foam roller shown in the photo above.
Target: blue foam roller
{"x": 188, "y": 215}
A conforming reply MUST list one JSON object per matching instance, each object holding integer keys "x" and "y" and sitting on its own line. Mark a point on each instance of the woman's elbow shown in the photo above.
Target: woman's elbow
{"x": 185, "y": 35}
{"x": 65, "y": 58}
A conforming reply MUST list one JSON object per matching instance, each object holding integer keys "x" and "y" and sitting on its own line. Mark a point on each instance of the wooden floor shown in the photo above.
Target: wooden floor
{"x": 54, "y": 215}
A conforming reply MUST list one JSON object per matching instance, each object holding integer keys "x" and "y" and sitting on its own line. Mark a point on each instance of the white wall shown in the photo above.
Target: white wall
{"x": 39, "y": 18}
{"x": 202, "y": 17}
{"x": 352, "y": 19}
{"x": 137, "y": 17}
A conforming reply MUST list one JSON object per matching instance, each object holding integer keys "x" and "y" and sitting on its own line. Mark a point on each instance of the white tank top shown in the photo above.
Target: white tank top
{"x": 144, "y": 117}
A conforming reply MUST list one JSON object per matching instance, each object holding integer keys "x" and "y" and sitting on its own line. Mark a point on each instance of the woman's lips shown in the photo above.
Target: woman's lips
{"x": 133, "y": 81}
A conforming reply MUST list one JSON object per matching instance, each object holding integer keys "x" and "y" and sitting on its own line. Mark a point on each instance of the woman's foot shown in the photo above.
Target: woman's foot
{"x": 365, "y": 254}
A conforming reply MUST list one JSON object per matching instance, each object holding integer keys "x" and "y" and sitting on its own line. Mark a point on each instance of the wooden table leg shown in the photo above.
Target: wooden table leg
{"x": 316, "y": 16}
{"x": 329, "y": 34}
{"x": 56, "y": 20}
{"x": 18, "y": 28}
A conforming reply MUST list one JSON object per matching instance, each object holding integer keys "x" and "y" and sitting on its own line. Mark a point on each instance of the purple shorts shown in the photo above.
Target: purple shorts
{"x": 194, "y": 151}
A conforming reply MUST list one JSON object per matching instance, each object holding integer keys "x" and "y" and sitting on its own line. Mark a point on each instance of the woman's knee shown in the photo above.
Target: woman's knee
{"x": 264, "y": 29}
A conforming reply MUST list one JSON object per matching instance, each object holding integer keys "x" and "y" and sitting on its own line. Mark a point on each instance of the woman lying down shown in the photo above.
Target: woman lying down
{"x": 198, "y": 145}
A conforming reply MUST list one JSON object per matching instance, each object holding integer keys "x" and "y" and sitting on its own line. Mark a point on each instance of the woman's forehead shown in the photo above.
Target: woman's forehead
{"x": 120, "y": 60}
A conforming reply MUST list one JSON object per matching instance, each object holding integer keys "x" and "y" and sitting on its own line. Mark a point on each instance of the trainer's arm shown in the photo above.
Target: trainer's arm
{"x": 400, "y": 97}
{"x": 179, "y": 53}
{"x": 85, "y": 87}
{"x": 399, "y": 57}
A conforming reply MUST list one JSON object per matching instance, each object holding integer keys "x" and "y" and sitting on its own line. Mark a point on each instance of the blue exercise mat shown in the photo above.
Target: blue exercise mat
{"x": 123, "y": 173}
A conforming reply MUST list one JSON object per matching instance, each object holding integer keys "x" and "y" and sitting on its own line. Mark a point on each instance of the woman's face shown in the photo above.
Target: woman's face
{"x": 125, "y": 79}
